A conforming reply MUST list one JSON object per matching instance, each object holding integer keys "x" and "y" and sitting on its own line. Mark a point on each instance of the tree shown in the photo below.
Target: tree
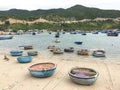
{"x": 6, "y": 24}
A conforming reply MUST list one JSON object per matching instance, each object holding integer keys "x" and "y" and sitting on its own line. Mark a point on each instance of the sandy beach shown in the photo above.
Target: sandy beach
{"x": 15, "y": 76}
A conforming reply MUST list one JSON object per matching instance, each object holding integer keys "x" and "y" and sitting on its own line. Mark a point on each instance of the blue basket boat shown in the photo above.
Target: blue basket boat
{"x": 42, "y": 70}
{"x": 24, "y": 59}
{"x": 16, "y": 53}
{"x": 83, "y": 76}
{"x": 98, "y": 53}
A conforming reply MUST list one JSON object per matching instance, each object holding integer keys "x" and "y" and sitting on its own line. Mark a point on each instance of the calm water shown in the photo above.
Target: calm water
{"x": 40, "y": 42}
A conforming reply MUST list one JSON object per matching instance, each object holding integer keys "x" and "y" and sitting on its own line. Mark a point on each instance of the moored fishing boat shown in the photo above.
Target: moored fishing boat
{"x": 57, "y": 41}
{"x": 57, "y": 51}
{"x": 5, "y": 37}
{"x": 32, "y": 53}
{"x": 112, "y": 34}
{"x": 78, "y": 42}
{"x": 57, "y": 35}
{"x": 83, "y": 52}
{"x": 70, "y": 49}
{"x": 28, "y": 47}
{"x": 83, "y": 34}
{"x": 33, "y": 33}
{"x": 51, "y": 47}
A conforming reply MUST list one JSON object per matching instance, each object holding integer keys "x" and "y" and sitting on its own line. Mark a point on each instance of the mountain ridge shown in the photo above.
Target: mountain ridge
{"x": 77, "y": 12}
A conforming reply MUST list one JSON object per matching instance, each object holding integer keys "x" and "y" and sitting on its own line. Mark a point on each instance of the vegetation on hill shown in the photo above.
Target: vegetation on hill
{"x": 74, "y": 13}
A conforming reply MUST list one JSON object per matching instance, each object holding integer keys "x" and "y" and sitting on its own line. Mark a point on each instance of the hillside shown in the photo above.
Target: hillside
{"x": 77, "y": 12}
{"x": 74, "y": 18}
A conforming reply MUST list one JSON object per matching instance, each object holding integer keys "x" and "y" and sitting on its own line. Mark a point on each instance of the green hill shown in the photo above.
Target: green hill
{"x": 77, "y": 12}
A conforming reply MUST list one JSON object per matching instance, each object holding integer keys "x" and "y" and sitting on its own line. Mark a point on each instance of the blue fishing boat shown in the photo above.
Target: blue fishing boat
{"x": 50, "y": 32}
{"x": 24, "y": 59}
{"x": 78, "y": 42}
{"x": 16, "y": 52}
{"x": 42, "y": 70}
{"x": 57, "y": 35}
{"x": 83, "y": 76}
{"x": 83, "y": 34}
{"x": 33, "y": 33}
{"x": 5, "y": 37}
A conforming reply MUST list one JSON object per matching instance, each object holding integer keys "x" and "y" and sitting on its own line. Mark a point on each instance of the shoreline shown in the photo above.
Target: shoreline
{"x": 80, "y": 58}
{"x": 15, "y": 76}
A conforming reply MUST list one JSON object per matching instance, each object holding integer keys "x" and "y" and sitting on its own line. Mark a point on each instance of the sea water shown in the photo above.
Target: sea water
{"x": 40, "y": 42}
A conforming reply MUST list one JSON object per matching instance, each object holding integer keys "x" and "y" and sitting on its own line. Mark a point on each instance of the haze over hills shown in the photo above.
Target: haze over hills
{"x": 77, "y": 12}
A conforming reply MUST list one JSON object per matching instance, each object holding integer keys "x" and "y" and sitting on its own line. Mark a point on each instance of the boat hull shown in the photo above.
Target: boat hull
{"x": 83, "y": 76}
{"x": 6, "y": 37}
{"x": 28, "y": 47}
{"x": 42, "y": 71}
{"x": 78, "y": 43}
{"x": 16, "y": 53}
{"x": 24, "y": 59}
{"x": 83, "y": 81}
{"x": 99, "y": 55}
{"x": 42, "y": 74}
{"x": 68, "y": 50}
{"x": 32, "y": 53}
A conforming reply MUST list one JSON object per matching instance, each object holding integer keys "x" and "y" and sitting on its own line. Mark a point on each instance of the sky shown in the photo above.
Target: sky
{"x": 54, "y": 4}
